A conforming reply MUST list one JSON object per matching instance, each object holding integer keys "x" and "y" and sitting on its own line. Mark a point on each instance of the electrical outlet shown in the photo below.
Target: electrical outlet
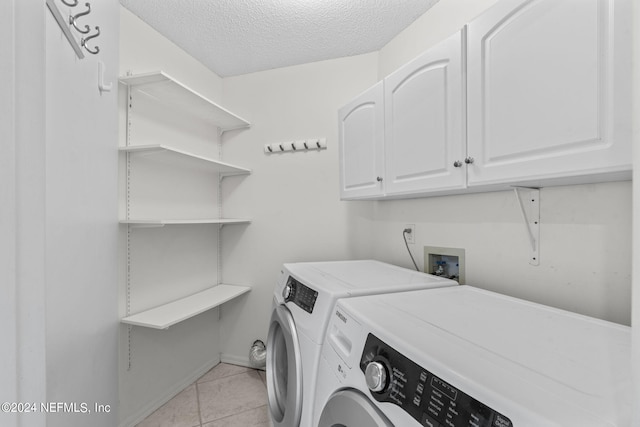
{"x": 411, "y": 234}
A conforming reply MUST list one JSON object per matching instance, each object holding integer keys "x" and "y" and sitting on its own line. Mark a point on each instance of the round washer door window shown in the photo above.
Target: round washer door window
{"x": 284, "y": 369}
{"x": 350, "y": 408}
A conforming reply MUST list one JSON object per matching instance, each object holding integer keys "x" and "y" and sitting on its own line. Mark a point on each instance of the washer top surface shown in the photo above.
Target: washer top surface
{"x": 544, "y": 360}
{"x": 329, "y": 281}
{"x": 345, "y": 278}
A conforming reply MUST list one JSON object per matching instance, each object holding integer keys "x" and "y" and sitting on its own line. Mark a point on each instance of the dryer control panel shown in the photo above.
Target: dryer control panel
{"x": 300, "y": 294}
{"x": 429, "y": 399}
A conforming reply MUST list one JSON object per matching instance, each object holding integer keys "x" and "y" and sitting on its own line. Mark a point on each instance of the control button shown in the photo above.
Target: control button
{"x": 376, "y": 376}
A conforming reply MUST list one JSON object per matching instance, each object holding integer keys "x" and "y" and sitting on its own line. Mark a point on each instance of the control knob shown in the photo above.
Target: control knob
{"x": 286, "y": 292}
{"x": 376, "y": 377}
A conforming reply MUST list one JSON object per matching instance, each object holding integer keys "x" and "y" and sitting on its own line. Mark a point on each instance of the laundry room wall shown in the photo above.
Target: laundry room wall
{"x": 155, "y": 365}
{"x": 585, "y": 255}
{"x": 293, "y": 197}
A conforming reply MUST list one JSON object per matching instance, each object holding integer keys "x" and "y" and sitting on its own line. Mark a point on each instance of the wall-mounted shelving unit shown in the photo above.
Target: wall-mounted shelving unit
{"x": 163, "y": 222}
{"x": 167, "y": 90}
{"x": 164, "y": 92}
{"x": 217, "y": 165}
{"x": 166, "y": 315}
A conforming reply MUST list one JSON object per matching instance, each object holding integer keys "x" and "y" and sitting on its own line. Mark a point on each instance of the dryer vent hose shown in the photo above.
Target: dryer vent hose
{"x": 258, "y": 354}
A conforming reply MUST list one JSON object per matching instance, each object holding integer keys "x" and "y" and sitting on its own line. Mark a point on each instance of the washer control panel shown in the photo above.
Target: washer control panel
{"x": 300, "y": 294}
{"x": 429, "y": 399}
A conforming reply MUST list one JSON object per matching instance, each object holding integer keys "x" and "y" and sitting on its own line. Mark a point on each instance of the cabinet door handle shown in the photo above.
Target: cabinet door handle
{"x": 379, "y": 179}
{"x": 468, "y": 160}
{"x": 457, "y": 164}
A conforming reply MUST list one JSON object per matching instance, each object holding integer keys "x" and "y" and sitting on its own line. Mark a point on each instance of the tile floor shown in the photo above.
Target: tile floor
{"x": 226, "y": 396}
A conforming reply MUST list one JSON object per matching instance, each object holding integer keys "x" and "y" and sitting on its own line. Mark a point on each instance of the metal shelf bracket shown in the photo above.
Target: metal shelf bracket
{"x": 530, "y": 209}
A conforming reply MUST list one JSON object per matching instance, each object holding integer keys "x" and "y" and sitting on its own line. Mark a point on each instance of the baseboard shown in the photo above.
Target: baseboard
{"x": 150, "y": 408}
{"x": 235, "y": 360}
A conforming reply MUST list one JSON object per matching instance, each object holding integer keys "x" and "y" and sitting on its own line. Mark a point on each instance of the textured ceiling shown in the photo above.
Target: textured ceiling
{"x": 234, "y": 37}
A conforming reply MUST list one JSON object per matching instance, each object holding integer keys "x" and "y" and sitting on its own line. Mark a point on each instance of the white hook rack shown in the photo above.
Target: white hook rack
{"x": 300, "y": 145}
{"x": 67, "y": 24}
{"x": 530, "y": 210}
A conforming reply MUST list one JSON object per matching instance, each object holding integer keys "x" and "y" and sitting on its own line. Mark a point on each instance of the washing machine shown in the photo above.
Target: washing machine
{"x": 304, "y": 298}
{"x": 462, "y": 356}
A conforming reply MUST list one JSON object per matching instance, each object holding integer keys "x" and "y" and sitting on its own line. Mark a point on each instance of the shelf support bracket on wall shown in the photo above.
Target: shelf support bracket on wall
{"x": 530, "y": 209}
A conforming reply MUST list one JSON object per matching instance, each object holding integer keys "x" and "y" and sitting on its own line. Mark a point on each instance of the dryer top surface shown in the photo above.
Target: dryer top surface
{"x": 537, "y": 357}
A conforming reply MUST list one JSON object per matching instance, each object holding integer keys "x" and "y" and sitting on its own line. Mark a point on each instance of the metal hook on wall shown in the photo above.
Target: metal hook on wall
{"x": 74, "y": 4}
{"x": 84, "y": 41}
{"x": 74, "y": 18}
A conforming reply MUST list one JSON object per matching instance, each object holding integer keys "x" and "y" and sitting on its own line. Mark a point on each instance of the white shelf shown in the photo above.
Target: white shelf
{"x": 154, "y": 222}
{"x": 169, "y": 91}
{"x": 174, "y": 312}
{"x": 219, "y": 166}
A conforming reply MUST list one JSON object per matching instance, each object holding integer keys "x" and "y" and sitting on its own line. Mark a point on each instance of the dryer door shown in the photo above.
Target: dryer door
{"x": 284, "y": 369}
{"x": 350, "y": 408}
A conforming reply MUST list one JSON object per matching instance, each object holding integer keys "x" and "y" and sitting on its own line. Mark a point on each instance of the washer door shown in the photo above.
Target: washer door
{"x": 350, "y": 408}
{"x": 284, "y": 369}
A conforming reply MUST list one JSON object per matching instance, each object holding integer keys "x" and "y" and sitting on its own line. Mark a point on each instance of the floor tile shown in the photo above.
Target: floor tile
{"x": 181, "y": 411}
{"x": 222, "y": 370}
{"x": 258, "y": 417}
{"x": 231, "y": 395}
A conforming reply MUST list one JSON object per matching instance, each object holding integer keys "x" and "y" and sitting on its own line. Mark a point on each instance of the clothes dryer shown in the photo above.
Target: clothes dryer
{"x": 304, "y": 298}
{"x": 462, "y": 356}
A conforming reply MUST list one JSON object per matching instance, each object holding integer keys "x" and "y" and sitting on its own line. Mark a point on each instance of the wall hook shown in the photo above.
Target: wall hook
{"x": 74, "y": 4}
{"x": 84, "y": 41}
{"x": 101, "y": 85}
{"x": 74, "y": 18}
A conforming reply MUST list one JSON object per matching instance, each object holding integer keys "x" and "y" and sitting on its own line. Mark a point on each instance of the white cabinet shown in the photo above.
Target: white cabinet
{"x": 424, "y": 122}
{"x": 171, "y": 163}
{"x": 537, "y": 92}
{"x": 404, "y": 134}
{"x": 361, "y": 136}
{"x": 548, "y": 92}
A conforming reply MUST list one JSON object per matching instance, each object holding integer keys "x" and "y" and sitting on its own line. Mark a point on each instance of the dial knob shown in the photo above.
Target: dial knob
{"x": 376, "y": 376}
{"x": 286, "y": 292}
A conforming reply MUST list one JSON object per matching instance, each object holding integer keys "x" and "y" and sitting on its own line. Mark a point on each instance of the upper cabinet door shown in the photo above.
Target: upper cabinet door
{"x": 361, "y": 135}
{"x": 424, "y": 122}
{"x": 548, "y": 90}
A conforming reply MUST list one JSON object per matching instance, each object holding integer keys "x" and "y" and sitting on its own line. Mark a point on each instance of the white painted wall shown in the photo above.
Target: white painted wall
{"x": 143, "y": 50}
{"x": 58, "y": 197}
{"x": 293, "y": 198}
